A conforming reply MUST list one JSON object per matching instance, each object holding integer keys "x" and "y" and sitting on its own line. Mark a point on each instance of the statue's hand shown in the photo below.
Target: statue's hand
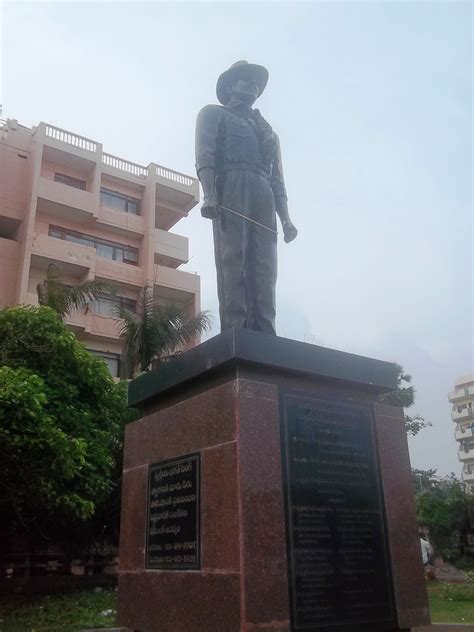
{"x": 289, "y": 231}
{"x": 209, "y": 208}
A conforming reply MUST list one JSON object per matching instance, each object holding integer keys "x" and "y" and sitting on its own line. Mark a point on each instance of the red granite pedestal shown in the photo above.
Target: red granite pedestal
{"x": 223, "y": 401}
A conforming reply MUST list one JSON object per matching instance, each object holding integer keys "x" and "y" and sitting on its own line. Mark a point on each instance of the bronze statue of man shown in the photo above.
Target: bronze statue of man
{"x": 238, "y": 162}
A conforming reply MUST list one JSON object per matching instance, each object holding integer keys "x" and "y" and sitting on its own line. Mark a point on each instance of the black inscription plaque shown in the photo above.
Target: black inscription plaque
{"x": 337, "y": 555}
{"x": 172, "y": 529}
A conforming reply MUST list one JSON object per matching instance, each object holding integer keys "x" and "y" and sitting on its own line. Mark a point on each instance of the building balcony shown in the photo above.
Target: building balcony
{"x": 466, "y": 413}
{"x": 123, "y": 224}
{"x": 466, "y": 456}
{"x": 124, "y": 169}
{"x": 83, "y": 320}
{"x": 176, "y": 193}
{"x": 73, "y": 259}
{"x": 79, "y": 321}
{"x": 58, "y": 141}
{"x": 461, "y": 393}
{"x": 467, "y": 477}
{"x": 55, "y": 198}
{"x": 175, "y": 285}
{"x": 104, "y": 327}
{"x": 170, "y": 250}
{"x": 174, "y": 187}
{"x": 466, "y": 434}
{"x": 125, "y": 274}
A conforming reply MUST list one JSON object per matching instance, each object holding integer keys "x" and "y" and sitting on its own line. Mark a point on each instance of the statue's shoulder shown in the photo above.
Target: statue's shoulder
{"x": 211, "y": 110}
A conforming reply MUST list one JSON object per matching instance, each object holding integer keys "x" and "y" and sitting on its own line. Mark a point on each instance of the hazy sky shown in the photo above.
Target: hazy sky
{"x": 372, "y": 102}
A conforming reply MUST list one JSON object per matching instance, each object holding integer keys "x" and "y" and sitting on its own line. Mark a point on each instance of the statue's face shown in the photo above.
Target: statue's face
{"x": 245, "y": 89}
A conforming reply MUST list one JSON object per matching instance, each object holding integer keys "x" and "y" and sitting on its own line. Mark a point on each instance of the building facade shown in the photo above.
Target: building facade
{"x": 462, "y": 399}
{"x": 65, "y": 201}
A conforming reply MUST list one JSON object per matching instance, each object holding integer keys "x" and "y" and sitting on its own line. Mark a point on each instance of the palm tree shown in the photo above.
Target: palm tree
{"x": 53, "y": 293}
{"x": 154, "y": 333}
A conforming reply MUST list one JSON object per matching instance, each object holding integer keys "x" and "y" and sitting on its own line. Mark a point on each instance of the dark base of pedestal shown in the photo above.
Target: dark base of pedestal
{"x": 435, "y": 627}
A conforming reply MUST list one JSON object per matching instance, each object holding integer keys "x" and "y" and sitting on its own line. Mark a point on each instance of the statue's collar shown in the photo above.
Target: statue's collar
{"x": 240, "y": 108}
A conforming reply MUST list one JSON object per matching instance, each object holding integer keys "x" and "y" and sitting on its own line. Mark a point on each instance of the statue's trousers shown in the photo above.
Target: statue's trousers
{"x": 246, "y": 254}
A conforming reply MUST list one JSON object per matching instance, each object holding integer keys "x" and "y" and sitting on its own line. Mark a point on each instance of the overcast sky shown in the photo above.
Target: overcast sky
{"x": 372, "y": 102}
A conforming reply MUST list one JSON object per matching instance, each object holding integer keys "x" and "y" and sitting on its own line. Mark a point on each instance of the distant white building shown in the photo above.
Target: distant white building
{"x": 462, "y": 399}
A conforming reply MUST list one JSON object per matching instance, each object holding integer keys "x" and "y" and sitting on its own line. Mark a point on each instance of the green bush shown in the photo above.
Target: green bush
{"x": 61, "y": 418}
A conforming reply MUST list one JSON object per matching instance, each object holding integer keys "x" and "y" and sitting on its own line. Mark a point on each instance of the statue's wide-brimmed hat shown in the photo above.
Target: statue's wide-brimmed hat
{"x": 240, "y": 69}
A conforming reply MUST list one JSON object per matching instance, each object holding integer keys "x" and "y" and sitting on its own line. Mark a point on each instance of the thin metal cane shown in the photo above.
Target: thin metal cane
{"x": 249, "y": 219}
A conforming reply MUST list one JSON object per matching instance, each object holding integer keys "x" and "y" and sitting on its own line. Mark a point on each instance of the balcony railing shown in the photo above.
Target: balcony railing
{"x": 124, "y": 165}
{"x": 131, "y": 168}
{"x": 70, "y": 139}
{"x": 175, "y": 176}
{"x": 142, "y": 171}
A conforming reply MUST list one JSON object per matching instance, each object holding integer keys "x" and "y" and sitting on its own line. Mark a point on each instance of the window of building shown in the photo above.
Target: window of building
{"x": 112, "y": 360}
{"x": 120, "y": 202}
{"x": 110, "y": 305}
{"x": 105, "y": 249}
{"x": 9, "y": 228}
{"x": 70, "y": 181}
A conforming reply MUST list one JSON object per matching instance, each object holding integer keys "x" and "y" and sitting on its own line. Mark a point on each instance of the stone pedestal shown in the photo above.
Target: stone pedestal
{"x": 266, "y": 489}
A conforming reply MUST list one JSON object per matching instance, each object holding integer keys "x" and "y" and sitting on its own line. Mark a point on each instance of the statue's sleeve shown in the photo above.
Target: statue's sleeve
{"x": 207, "y": 127}
{"x": 277, "y": 181}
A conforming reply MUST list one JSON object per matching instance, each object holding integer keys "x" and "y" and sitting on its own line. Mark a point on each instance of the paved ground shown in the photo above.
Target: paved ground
{"x": 446, "y": 627}
{"x": 448, "y": 573}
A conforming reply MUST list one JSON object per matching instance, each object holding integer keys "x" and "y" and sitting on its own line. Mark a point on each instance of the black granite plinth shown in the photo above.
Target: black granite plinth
{"x": 239, "y": 347}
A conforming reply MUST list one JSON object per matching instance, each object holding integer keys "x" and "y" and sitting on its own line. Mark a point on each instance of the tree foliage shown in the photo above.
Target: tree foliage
{"x": 153, "y": 332}
{"x": 423, "y": 480}
{"x": 447, "y": 512}
{"x": 62, "y": 299}
{"x": 404, "y": 396}
{"x": 60, "y": 421}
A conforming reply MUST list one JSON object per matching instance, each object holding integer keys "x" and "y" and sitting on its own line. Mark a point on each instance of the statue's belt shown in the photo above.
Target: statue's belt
{"x": 249, "y": 219}
{"x": 246, "y": 166}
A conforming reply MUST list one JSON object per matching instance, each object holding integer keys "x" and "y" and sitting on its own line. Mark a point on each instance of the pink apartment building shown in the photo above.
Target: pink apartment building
{"x": 63, "y": 200}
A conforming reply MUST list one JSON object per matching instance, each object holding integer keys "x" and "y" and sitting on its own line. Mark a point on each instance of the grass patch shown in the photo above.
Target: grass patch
{"x": 451, "y": 603}
{"x": 57, "y": 613}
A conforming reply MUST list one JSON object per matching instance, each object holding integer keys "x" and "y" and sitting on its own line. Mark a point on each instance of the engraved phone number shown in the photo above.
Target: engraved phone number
{"x": 172, "y": 559}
